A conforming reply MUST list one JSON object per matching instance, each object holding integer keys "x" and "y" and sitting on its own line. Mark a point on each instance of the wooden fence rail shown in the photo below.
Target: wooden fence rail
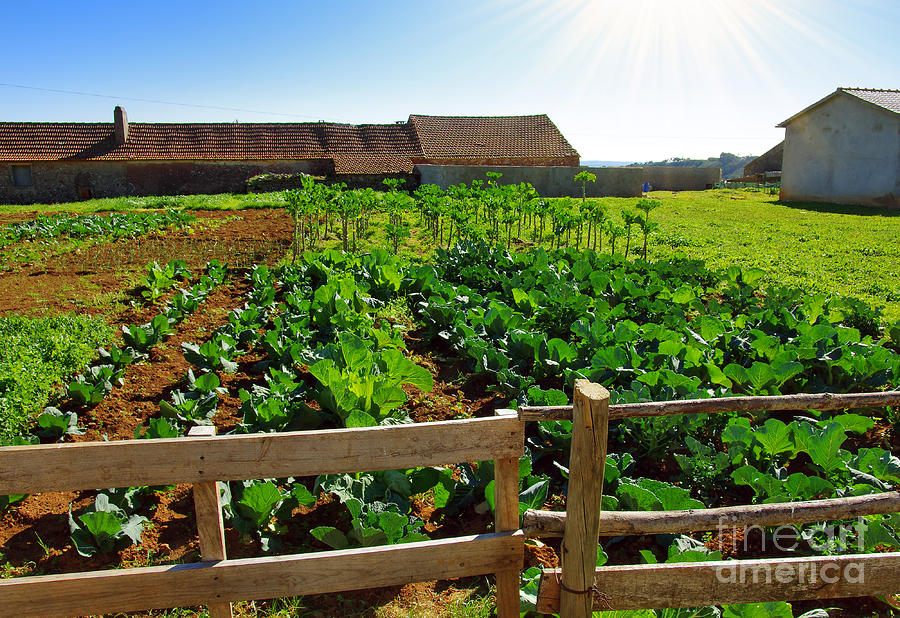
{"x": 203, "y": 460}
{"x": 540, "y": 524}
{"x": 579, "y": 587}
{"x": 695, "y": 584}
{"x": 816, "y": 401}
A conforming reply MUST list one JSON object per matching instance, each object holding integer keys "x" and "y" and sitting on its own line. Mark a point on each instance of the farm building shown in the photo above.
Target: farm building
{"x": 54, "y": 161}
{"x": 844, "y": 148}
{"x": 766, "y": 164}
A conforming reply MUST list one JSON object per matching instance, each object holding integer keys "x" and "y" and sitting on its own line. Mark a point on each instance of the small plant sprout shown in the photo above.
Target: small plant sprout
{"x": 584, "y": 177}
{"x": 646, "y": 206}
{"x": 630, "y": 218}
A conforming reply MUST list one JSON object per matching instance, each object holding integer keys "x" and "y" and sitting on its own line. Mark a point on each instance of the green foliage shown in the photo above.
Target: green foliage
{"x": 160, "y": 278}
{"x": 158, "y": 428}
{"x": 732, "y": 165}
{"x": 55, "y": 424}
{"x": 141, "y": 339}
{"x": 360, "y": 385}
{"x": 115, "y": 225}
{"x": 92, "y": 386}
{"x": 105, "y": 528}
{"x": 214, "y": 354}
{"x": 37, "y": 355}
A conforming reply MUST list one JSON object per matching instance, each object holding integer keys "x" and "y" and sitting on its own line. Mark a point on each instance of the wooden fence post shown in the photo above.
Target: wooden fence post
{"x": 506, "y": 518}
{"x": 210, "y": 528}
{"x": 587, "y": 462}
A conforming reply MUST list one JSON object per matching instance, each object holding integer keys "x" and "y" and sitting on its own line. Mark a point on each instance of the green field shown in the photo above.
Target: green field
{"x": 831, "y": 249}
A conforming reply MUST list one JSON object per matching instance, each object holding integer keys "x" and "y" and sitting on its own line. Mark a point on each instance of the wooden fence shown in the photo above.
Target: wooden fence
{"x": 203, "y": 460}
{"x": 579, "y": 586}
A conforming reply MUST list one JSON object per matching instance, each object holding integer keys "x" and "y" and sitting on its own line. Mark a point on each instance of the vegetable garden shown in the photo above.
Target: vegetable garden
{"x": 520, "y": 298}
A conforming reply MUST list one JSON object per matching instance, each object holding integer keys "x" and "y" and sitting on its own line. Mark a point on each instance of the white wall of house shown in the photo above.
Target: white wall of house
{"x": 843, "y": 151}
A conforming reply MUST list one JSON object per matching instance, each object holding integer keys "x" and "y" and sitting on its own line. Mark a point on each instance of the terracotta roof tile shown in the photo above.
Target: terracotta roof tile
{"x": 478, "y": 137}
{"x": 361, "y": 149}
{"x": 888, "y": 99}
{"x": 373, "y": 163}
{"x": 46, "y": 141}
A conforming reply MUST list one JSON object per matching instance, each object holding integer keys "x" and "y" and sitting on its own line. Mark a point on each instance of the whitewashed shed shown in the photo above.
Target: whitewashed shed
{"x": 844, "y": 148}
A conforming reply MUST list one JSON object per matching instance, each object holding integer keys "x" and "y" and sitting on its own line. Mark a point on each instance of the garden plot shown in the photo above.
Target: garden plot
{"x": 343, "y": 340}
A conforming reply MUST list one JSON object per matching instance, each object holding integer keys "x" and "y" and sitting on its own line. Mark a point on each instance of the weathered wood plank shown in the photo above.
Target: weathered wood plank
{"x": 657, "y": 586}
{"x": 819, "y": 401}
{"x": 587, "y": 463}
{"x": 506, "y": 519}
{"x": 624, "y": 523}
{"x": 210, "y": 527}
{"x": 122, "y": 590}
{"x": 127, "y": 463}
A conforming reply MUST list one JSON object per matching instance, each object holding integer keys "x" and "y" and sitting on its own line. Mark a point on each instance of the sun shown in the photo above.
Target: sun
{"x": 665, "y": 42}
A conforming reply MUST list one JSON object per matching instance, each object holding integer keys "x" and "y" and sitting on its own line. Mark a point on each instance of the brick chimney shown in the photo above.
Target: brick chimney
{"x": 121, "y": 121}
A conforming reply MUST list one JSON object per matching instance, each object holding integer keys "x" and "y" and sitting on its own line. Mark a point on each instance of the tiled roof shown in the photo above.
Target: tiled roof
{"x": 888, "y": 99}
{"x": 371, "y": 163}
{"x": 46, "y": 141}
{"x": 478, "y": 137}
{"x": 359, "y": 149}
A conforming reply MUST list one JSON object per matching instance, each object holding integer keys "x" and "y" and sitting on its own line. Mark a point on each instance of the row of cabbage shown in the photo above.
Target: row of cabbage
{"x": 111, "y": 225}
{"x": 328, "y": 360}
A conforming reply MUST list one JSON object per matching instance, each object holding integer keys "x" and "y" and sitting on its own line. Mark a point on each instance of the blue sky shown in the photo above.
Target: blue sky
{"x": 623, "y": 79}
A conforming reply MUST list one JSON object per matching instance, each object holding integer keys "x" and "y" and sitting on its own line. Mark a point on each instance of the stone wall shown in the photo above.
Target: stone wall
{"x": 68, "y": 181}
{"x": 549, "y": 181}
{"x": 373, "y": 181}
{"x": 672, "y": 178}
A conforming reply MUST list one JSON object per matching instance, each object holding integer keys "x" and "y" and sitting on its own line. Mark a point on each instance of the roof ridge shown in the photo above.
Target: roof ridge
{"x": 869, "y": 89}
{"x": 464, "y": 117}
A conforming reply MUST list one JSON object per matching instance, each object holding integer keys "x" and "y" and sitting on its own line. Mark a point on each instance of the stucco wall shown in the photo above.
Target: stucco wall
{"x": 671, "y": 178}
{"x": 549, "y": 181}
{"x": 844, "y": 151}
{"x": 66, "y": 181}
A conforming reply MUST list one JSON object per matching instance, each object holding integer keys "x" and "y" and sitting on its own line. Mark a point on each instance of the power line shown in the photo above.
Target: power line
{"x": 161, "y": 102}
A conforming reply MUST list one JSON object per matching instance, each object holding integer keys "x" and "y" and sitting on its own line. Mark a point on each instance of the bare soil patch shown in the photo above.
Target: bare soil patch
{"x": 95, "y": 278}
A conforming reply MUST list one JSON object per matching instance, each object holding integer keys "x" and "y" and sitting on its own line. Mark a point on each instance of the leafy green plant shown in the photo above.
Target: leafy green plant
{"x": 158, "y": 428}
{"x": 141, "y": 339}
{"x": 116, "y": 357}
{"x": 36, "y": 356}
{"x": 361, "y": 386}
{"x": 214, "y": 354}
{"x": 198, "y": 404}
{"x": 91, "y": 387}
{"x": 105, "y": 528}
{"x": 160, "y": 278}
{"x": 372, "y": 525}
{"x": 56, "y": 424}
{"x": 255, "y": 508}
{"x": 115, "y": 225}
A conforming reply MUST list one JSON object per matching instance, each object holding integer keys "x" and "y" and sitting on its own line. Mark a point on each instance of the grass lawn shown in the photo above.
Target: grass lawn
{"x": 827, "y": 248}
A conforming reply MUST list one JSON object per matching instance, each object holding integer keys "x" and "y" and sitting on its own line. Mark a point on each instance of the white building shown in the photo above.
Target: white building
{"x": 844, "y": 148}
